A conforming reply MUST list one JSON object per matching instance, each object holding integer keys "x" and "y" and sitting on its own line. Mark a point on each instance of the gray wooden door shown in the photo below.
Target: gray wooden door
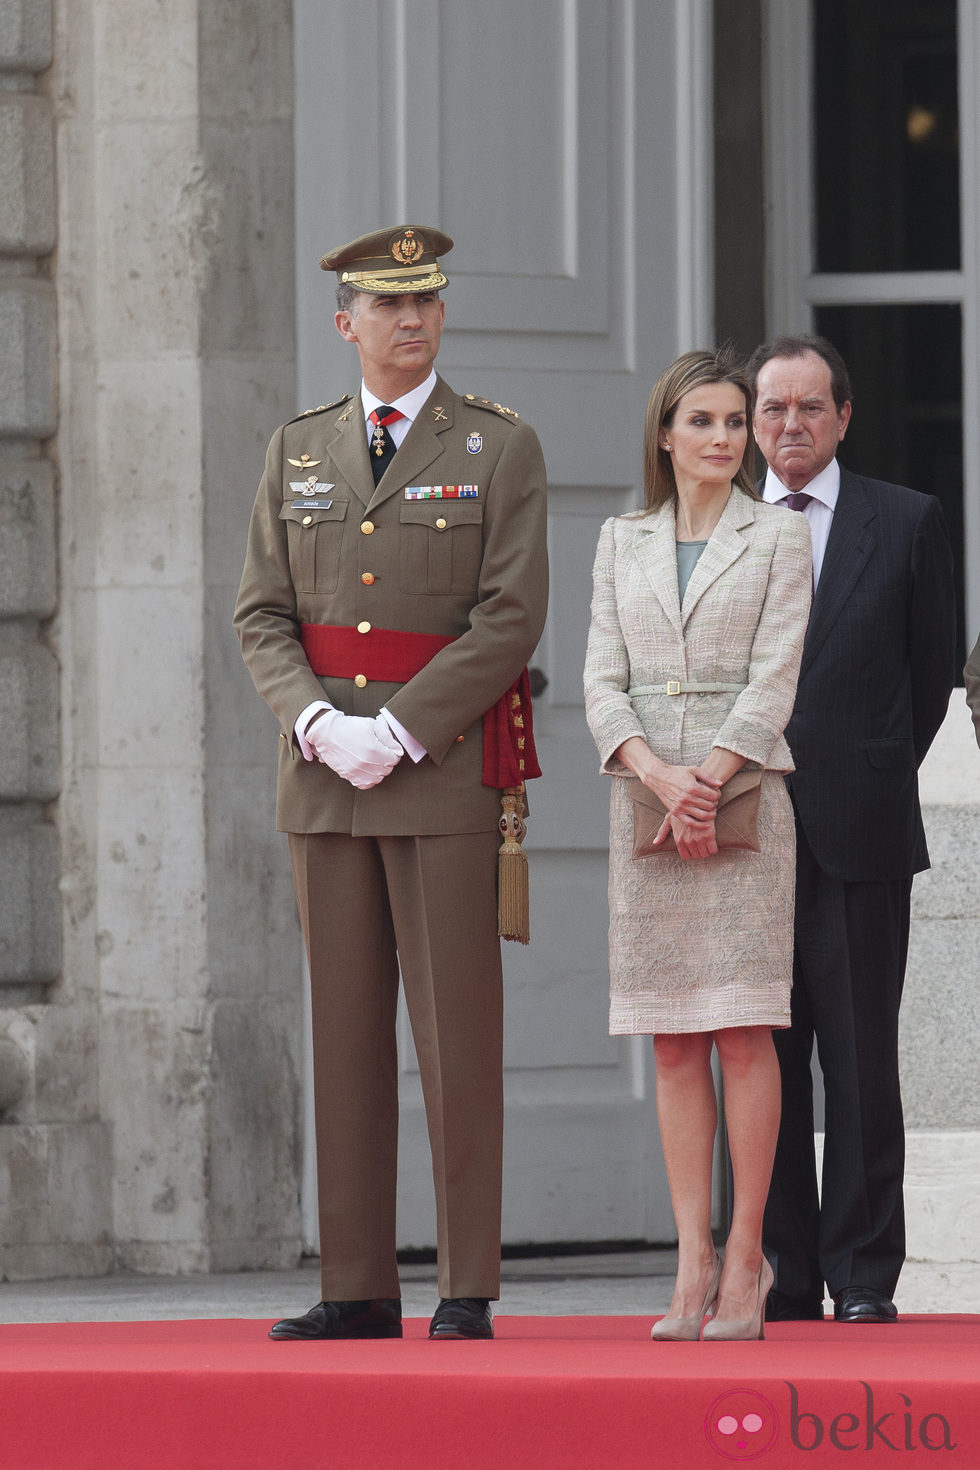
{"x": 561, "y": 144}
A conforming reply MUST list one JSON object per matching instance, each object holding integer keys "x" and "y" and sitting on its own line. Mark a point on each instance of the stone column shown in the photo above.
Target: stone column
{"x": 156, "y": 1032}
{"x": 247, "y": 387}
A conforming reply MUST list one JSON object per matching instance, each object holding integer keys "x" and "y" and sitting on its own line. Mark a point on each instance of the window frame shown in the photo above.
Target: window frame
{"x": 795, "y": 289}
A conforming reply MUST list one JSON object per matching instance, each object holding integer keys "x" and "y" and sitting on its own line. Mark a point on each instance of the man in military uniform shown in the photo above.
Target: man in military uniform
{"x": 394, "y": 588}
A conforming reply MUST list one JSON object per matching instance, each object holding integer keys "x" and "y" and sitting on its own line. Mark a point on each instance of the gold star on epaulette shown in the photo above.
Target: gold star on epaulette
{"x": 320, "y": 408}
{"x": 507, "y": 413}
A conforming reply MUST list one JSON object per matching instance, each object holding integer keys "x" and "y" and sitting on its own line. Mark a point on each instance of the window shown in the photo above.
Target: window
{"x": 867, "y": 219}
{"x": 887, "y": 157}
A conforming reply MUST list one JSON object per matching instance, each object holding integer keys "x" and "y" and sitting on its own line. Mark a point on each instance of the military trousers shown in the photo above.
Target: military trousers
{"x": 369, "y": 907}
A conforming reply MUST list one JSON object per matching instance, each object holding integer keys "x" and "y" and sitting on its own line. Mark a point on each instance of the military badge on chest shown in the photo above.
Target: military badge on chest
{"x": 312, "y": 491}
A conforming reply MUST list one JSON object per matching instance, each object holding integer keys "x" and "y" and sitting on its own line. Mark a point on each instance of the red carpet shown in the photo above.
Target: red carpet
{"x": 575, "y": 1393}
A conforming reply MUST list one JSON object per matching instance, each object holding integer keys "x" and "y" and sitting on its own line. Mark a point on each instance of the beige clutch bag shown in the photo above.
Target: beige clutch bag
{"x": 736, "y": 820}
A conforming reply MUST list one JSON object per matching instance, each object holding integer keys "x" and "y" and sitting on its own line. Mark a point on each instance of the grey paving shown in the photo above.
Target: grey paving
{"x": 627, "y": 1284}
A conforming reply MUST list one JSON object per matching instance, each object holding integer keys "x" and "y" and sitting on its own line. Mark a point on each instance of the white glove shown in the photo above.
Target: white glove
{"x": 361, "y": 750}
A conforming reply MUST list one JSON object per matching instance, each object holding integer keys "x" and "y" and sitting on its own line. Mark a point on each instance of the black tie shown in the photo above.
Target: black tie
{"x": 382, "y": 444}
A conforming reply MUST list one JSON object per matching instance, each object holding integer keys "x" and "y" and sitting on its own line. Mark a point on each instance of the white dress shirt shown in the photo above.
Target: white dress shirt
{"x": 409, "y": 405}
{"x": 825, "y": 489}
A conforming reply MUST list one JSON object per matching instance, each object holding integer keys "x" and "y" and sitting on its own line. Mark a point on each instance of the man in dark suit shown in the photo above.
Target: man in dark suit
{"x": 385, "y": 608}
{"x": 874, "y": 687}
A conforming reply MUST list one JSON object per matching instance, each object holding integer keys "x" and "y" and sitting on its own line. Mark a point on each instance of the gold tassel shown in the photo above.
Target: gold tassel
{"x": 513, "y": 899}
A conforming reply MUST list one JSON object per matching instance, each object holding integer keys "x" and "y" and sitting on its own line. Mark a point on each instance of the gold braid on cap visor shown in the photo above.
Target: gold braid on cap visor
{"x": 384, "y": 280}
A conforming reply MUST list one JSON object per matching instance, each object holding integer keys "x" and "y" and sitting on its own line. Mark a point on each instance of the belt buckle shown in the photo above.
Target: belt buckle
{"x": 673, "y": 686}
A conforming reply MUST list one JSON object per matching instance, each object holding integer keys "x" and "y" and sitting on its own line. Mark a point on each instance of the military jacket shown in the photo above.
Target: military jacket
{"x": 327, "y": 546}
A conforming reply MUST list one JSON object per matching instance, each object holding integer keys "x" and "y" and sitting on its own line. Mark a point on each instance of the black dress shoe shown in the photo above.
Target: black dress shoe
{"x": 780, "y": 1307}
{"x": 462, "y": 1316}
{"x": 861, "y": 1304}
{"x": 379, "y": 1317}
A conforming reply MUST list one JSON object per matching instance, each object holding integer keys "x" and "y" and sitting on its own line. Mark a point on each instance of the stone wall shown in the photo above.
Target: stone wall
{"x": 54, "y": 1159}
{"x": 150, "y": 1087}
{"x": 29, "y": 747}
{"x": 150, "y": 1004}
{"x": 939, "y": 1031}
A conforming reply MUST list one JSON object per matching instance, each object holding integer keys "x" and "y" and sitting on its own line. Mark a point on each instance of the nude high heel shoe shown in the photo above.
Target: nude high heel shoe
{"x": 743, "y": 1329}
{"x": 688, "y": 1329}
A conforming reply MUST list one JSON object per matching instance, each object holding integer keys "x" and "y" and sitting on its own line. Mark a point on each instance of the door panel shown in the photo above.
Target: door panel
{"x": 546, "y": 140}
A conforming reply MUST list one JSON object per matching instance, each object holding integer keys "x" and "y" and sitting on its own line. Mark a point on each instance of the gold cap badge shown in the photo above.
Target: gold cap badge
{"x": 398, "y": 261}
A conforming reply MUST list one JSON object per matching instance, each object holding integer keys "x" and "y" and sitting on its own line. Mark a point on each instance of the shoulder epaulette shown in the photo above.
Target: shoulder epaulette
{"x": 320, "y": 408}
{"x": 505, "y": 413}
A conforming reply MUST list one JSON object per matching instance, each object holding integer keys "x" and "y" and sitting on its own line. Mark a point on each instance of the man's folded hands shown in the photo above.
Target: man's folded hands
{"x": 361, "y": 750}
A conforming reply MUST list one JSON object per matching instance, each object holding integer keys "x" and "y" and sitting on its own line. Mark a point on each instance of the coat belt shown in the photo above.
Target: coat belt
{"x": 683, "y": 686}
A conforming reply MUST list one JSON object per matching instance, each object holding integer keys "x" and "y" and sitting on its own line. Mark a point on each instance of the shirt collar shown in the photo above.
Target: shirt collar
{"x": 409, "y": 404}
{"x": 824, "y": 487}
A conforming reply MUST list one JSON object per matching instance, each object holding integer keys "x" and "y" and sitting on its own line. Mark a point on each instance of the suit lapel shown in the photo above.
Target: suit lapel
{"x": 725, "y": 545}
{"x": 655, "y": 548}
{"x": 420, "y": 446}
{"x": 349, "y": 452}
{"x": 849, "y": 545}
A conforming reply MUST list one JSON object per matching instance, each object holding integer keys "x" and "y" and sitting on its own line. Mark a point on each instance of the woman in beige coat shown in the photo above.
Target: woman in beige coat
{"x": 700, "y": 606}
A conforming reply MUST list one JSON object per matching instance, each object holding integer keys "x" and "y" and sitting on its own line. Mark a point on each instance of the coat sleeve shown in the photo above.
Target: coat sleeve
{"x": 608, "y": 707}
{"x": 465, "y": 679}
{"x": 265, "y": 613}
{"x": 762, "y": 710}
{"x": 932, "y": 626}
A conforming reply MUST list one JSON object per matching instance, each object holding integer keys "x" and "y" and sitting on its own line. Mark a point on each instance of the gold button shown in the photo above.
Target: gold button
{"x": 460, "y": 739}
{"x": 364, "y": 627}
{"x": 367, "y": 527}
{"x": 441, "y": 523}
{"x": 367, "y": 578}
{"x": 307, "y": 520}
{"x": 360, "y": 680}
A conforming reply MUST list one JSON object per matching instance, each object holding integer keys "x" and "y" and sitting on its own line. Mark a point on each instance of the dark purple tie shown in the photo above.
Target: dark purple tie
{"x": 798, "y": 500}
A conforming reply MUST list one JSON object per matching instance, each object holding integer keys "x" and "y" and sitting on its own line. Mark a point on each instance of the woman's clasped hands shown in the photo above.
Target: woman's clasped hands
{"x": 692, "y": 820}
{"x": 689, "y": 793}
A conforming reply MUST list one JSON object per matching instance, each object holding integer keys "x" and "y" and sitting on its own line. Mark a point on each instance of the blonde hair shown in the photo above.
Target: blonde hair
{"x": 691, "y": 370}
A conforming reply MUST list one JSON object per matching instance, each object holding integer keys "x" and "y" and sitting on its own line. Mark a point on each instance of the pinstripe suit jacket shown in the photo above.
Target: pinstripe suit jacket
{"x": 875, "y": 681}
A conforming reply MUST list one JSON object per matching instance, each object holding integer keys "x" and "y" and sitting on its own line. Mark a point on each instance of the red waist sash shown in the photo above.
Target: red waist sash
{"x": 382, "y": 655}
{"x": 391, "y": 656}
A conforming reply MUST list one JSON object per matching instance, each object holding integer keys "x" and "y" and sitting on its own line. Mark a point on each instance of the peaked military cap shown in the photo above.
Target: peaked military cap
{"x": 398, "y": 261}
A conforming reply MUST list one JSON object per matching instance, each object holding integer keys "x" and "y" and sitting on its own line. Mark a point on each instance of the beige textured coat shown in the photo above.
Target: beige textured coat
{"x": 707, "y": 943}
